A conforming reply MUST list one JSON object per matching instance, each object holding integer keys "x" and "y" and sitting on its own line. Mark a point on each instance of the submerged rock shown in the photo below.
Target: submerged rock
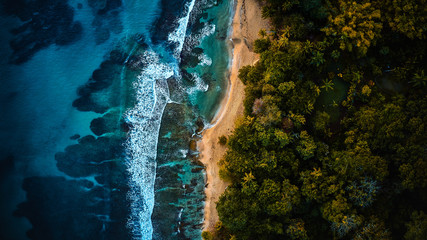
{"x": 91, "y": 156}
{"x": 193, "y": 145}
{"x": 108, "y": 123}
{"x": 107, "y": 20}
{"x": 44, "y": 23}
{"x": 75, "y": 137}
{"x": 73, "y": 209}
{"x": 200, "y": 125}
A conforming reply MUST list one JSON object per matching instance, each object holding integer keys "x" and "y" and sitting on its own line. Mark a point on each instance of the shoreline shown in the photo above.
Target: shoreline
{"x": 246, "y": 13}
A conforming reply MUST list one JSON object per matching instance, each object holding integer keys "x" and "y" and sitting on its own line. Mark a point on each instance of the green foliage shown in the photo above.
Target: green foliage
{"x": 306, "y": 146}
{"x": 363, "y": 193}
{"x": 417, "y": 227}
{"x": 285, "y": 87}
{"x": 321, "y": 122}
{"x": 241, "y": 212}
{"x": 317, "y": 59}
{"x": 333, "y": 141}
{"x": 261, "y": 45}
{"x": 222, "y": 140}
{"x": 277, "y": 199}
{"x": 414, "y": 173}
{"x": 345, "y": 225}
{"x": 296, "y": 230}
{"x": 407, "y": 17}
{"x": 355, "y": 25}
{"x": 236, "y": 211}
{"x": 317, "y": 185}
{"x": 207, "y": 235}
{"x": 357, "y": 162}
{"x": 220, "y": 232}
{"x": 341, "y": 215}
{"x": 374, "y": 229}
{"x": 274, "y": 10}
{"x": 327, "y": 85}
{"x": 419, "y": 79}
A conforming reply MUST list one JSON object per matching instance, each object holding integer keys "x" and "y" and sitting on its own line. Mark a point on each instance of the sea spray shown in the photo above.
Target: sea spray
{"x": 152, "y": 94}
{"x": 104, "y": 188}
{"x": 178, "y": 36}
{"x": 204, "y": 60}
{"x": 199, "y": 86}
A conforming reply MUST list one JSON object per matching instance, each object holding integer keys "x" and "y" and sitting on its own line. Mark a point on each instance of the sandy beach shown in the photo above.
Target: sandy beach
{"x": 247, "y": 13}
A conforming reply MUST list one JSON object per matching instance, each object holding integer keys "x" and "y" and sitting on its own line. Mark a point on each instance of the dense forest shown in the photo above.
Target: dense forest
{"x": 332, "y": 144}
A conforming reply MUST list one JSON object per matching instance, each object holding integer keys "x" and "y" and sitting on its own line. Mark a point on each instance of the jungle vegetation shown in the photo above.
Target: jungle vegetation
{"x": 332, "y": 144}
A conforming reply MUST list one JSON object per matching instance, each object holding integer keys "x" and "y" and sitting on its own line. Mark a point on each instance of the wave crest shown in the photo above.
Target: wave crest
{"x": 152, "y": 95}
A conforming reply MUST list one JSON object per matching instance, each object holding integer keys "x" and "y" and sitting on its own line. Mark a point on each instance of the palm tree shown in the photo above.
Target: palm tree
{"x": 328, "y": 85}
{"x": 262, "y": 33}
{"x": 317, "y": 58}
{"x": 419, "y": 80}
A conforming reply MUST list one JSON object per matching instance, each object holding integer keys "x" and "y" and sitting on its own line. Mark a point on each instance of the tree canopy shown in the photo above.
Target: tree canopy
{"x": 332, "y": 144}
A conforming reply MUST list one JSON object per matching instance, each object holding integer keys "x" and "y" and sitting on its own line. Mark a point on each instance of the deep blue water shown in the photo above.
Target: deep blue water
{"x": 100, "y": 105}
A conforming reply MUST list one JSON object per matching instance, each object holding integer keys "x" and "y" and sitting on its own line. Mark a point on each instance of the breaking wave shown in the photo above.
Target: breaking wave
{"x": 144, "y": 119}
{"x": 152, "y": 95}
{"x": 205, "y": 60}
{"x": 178, "y": 36}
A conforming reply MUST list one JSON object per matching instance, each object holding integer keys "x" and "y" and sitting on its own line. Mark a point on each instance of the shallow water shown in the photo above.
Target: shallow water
{"x": 96, "y": 127}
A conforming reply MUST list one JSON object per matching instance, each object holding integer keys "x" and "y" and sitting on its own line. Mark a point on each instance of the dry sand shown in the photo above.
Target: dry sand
{"x": 247, "y": 13}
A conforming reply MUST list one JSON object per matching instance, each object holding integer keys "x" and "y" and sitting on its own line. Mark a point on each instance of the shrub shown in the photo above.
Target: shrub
{"x": 207, "y": 235}
{"x": 222, "y": 140}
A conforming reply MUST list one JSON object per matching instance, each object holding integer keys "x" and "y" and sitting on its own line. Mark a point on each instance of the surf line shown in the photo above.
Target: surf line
{"x": 152, "y": 95}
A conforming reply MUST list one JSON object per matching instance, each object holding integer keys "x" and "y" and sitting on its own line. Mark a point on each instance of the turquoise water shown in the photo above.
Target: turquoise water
{"x": 99, "y": 105}
{"x": 180, "y": 177}
{"x": 215, "y": 47}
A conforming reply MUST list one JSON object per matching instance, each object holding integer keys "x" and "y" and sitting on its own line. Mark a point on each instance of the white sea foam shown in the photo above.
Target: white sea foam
{"x": 207, "y": 30}
{"x": 180, "y": 213}
{"x": 183, "y": 152}
{"x": 205, "y": 60}
{"x": 152, "y": 95}
{"x": 197, "y": 38}
{"x": 199, "y": 86}
{"x": 178, "y": 35}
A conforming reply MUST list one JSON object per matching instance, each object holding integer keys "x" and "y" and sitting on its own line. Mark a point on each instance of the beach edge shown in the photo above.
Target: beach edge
{"x": 246, "y": 13}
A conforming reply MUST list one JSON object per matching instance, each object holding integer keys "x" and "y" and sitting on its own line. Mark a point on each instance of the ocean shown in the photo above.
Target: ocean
{"x": 101, "y": 105}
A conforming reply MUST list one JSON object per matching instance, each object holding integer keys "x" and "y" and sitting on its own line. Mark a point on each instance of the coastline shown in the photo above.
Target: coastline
{"x": 246, "y": 13}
